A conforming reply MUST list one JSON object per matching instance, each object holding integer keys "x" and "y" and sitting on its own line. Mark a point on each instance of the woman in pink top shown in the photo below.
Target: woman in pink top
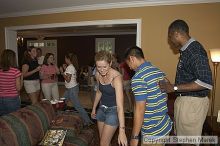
{"x": 10, "y": 83}
{"x": 48, "y": 74}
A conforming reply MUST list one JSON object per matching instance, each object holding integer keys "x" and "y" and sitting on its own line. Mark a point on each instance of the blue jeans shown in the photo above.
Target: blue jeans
{"x": 108, "y": 115}
{"x": 72, "y": 94}
{"x": 9, "y": 104}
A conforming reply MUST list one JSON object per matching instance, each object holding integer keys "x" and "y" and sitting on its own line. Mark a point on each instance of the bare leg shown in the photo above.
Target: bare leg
{"x": 38, "y": 95}
{"x": 100, "y": 127}
{"x": 107, "y": 134}
{"x": 35, "y": 97}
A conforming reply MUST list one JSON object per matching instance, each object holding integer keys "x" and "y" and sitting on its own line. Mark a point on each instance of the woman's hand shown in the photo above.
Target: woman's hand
{"x": 122, "y": 139}
{"x": 64, "y": 66}
{"x": 61, "y": 69}
{"x": 38, "y": 68}
{"x": 93, "y": 114}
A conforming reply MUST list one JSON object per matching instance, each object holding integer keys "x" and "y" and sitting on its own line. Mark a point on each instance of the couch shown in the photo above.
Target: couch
{"x": 28, "y": 125}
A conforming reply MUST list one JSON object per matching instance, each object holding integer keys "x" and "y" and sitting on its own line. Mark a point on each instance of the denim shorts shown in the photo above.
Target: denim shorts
{"x": 9, "y": 104}
{"x": 108, "y": 115}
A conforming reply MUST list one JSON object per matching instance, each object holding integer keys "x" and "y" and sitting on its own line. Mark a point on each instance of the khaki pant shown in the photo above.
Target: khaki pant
{"x": 190, "y": 114}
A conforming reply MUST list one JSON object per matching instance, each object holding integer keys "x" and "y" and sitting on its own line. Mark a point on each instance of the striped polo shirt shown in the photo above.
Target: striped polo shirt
{"x": 8, "y": 82}
{"x": 145, "y": 88}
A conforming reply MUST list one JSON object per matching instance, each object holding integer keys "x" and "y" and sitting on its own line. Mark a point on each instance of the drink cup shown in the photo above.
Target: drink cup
{"x": 52, "y": 76}
{"x": 63, "y": 99}
{"x": 61, "y": 104}
{"x": 64, "y": 102}
{"x": 55, "y": 104}
{"x": 45, "y": 99}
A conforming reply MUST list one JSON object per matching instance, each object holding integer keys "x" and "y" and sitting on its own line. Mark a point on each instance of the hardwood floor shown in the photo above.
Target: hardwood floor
{"x": 85, "y": 97}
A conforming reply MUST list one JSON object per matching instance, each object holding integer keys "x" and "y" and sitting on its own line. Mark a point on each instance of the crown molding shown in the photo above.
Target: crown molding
{"x": 106, "y": 6}
{"x": 84, "y": 34}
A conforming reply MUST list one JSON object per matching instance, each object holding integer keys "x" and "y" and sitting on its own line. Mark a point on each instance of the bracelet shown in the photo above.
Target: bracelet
{"x": 134, "y": 136}
{"x": 122, "y": 127}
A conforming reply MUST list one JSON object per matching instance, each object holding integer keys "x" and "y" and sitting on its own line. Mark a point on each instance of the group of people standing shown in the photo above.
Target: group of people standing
{"x": 149, "y": 86}
{"x": 38, "y": 72}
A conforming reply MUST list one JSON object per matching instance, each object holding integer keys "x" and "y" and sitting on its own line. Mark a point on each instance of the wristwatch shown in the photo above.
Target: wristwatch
{"x": 135, "y": 137}
{"x": 175, "y": 88}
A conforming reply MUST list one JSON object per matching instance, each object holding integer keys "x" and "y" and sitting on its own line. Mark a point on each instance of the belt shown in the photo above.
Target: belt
{"x": 194, "y": 95}
{"x": 107, "y": 106}
{"x": 191, "y": 95}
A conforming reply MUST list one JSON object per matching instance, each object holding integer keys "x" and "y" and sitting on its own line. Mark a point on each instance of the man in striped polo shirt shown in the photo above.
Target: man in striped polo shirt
{"x": 150, "y": 114}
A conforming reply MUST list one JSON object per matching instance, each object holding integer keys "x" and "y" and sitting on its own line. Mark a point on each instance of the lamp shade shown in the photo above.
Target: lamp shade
{"x": 215, "y": 54}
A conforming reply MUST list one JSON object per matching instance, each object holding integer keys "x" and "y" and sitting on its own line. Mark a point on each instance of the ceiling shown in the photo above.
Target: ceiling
{"x": 14, "y": 8}
{"x": 10, "y": 8}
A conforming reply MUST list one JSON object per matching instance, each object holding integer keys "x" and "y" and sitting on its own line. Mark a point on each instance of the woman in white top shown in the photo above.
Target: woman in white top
{"x": 70, "y": 74}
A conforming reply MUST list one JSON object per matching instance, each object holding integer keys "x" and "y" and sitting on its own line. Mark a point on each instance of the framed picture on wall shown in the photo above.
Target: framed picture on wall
{"x": 107, "y": 44}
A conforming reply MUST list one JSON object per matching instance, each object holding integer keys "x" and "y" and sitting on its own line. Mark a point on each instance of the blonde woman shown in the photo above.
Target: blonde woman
{"x": 110, "y": 113}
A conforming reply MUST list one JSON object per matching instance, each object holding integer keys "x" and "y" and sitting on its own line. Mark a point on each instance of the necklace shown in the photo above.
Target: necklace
{"x": 105, "y": 78}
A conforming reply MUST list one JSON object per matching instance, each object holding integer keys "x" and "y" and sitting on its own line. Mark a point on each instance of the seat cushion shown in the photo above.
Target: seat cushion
{"x": 26, "y": 126}
{"x": 21, "y": 128}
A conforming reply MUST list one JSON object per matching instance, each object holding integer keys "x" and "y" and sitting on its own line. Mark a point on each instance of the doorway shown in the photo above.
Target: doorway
{"x": 11, "y": 32}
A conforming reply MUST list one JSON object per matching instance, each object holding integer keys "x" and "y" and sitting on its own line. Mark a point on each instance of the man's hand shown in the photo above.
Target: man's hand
{"x": 166, "y": 86}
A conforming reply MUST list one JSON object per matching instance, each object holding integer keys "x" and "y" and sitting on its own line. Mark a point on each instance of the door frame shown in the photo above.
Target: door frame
{"x": 11, "y": 32}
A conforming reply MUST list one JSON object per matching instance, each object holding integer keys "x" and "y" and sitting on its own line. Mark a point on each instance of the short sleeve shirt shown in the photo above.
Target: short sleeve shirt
{"x": 8, "y": 82}
{"x": 48, "y": 70}
{"x": 146, "y": 88}
{"x": 32, "y": 65}
{"x": 71, "y": 70}
{"x": 194, "y": 66}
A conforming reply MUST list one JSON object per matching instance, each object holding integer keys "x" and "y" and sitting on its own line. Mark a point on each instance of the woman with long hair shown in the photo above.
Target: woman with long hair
{"x": 69, "y": 73}
{"x": 30, "y": 71}
{"x": 10, "y": 83}
{"x": 48, "y": 74}
{"x": 109, "y": 97}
